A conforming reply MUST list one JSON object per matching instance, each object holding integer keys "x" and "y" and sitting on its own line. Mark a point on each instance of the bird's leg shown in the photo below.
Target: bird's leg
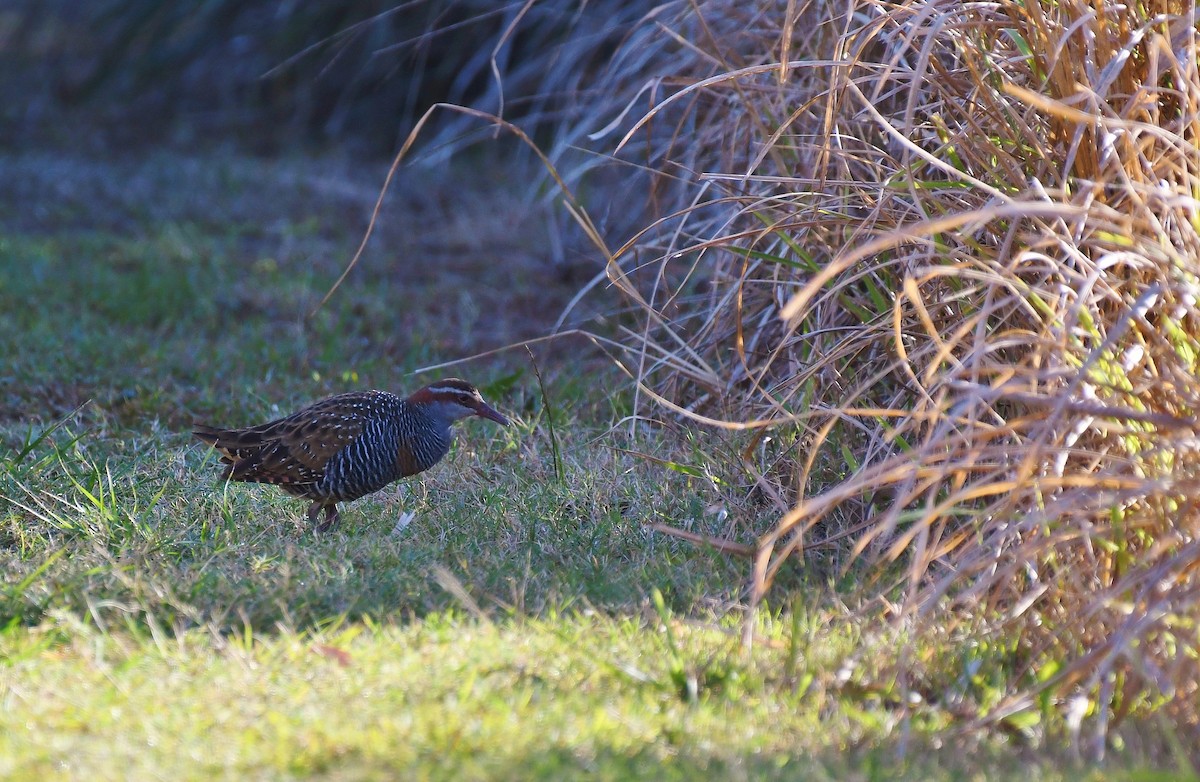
{"x": 331, "y": 518}
{"x": 313, "y": 510}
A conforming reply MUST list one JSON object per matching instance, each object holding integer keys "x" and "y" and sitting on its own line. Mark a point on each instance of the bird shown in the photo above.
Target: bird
{"x": 347, "y": 446}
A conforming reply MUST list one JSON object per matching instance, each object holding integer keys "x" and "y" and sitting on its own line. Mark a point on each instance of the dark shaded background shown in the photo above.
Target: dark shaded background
{"x": 272, "y": 73}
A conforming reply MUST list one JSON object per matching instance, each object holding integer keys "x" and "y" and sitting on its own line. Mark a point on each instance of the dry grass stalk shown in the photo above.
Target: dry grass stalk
{"x": 955, "y": 248}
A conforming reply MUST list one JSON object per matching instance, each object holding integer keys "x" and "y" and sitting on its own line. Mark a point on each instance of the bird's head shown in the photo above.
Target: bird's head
{"x": 453, "y": 399}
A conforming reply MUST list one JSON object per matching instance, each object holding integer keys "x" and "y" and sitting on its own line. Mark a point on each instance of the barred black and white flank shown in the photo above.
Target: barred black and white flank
{"x": 349, "y": 445}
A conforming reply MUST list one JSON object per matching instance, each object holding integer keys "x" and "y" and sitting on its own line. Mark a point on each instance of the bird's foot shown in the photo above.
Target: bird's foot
{"x": 332, "y": 517}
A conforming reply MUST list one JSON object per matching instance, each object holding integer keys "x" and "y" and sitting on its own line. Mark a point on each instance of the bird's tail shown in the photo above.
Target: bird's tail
{"x": 232, "y": 444}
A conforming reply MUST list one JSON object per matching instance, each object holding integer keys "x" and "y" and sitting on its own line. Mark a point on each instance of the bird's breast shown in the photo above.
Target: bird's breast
{"x": 422, "y": 447}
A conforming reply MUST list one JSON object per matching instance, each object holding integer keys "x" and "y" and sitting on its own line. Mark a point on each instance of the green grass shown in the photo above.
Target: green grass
{"x": 526, "y": 623}
{"x": 454, "y": 698}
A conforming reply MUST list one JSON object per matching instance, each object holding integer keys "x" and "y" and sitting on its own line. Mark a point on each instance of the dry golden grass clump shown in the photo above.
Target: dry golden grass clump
{"x": 947, "y": 256}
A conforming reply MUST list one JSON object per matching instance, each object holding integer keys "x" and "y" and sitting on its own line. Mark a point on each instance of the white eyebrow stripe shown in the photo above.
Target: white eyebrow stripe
{"x": 448, "y": 390}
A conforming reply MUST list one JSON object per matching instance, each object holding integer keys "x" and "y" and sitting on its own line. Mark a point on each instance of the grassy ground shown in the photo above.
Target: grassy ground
{"x": 526, "y": 624}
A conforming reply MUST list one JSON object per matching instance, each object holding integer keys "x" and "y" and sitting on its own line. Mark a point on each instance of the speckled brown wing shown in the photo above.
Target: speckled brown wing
{"x": 293, "y": 450}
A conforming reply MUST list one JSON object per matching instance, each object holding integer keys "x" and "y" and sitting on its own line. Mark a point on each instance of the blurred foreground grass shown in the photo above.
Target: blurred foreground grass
{"x": 449, "y": 698}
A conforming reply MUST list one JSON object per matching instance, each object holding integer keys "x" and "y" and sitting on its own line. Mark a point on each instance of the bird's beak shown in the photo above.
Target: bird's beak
{"x": 484, "y": 410}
